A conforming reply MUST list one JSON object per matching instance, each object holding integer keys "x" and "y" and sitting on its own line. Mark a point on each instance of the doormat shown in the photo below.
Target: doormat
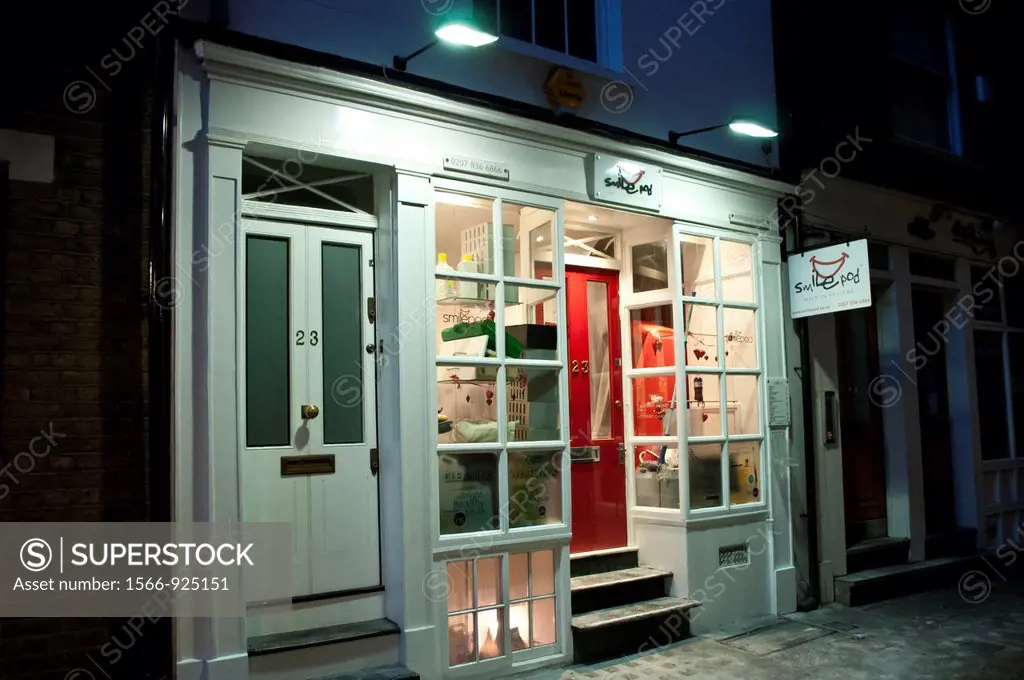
{"x": 776, "y": 637}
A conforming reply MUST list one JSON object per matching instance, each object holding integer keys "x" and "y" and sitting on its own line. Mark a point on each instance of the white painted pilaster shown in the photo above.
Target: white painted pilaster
{"x": 414, "y": 365}
{"x": 903, "y": 473}
{"x": 963, "y": 406}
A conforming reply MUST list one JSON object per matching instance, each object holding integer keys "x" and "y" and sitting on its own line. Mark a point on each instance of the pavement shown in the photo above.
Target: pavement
{"x": 937, "y": 635}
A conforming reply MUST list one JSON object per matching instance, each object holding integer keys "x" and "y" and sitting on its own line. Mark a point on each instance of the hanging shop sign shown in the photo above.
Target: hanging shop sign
{"x": 625, "y": 182}
{"x": 830, "y": 279}
{"x": 475, "y": 166}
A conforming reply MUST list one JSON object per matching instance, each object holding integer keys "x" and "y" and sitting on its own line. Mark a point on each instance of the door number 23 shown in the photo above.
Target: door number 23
{"x": 300, "y": 338}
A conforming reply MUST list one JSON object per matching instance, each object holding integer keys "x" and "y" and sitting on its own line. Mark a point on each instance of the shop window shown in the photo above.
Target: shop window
{"x": 480, "y": 607}
{"x": 878, "y": 256}
{"x": 584, "y": 241}
{"x": 698, "y": 261}
{"x": 986, "y": 290}
{"x": 1016, "y": 351}
{"x": 932, "y": 267}
{"x": 534, "y": 488}
{"x": 1014, "y": 292}
{"x": 989, "y": 374}
{"x": 468, "y": 490}
{"x": 720, "y": 394}
{"x": 568, "y": 27}
{"x": 722, "y": 369}
{"x": 498, "y": 365}
{"x": 650, "y": 267}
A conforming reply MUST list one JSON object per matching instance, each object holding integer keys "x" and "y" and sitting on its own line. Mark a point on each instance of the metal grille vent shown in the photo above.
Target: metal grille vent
{"x": 733, "y": 555}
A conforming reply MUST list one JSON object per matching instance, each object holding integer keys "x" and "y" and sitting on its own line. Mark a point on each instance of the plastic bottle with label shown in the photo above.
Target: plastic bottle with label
{"x": 469, "y": 290}
{"x": 443, "y": 288}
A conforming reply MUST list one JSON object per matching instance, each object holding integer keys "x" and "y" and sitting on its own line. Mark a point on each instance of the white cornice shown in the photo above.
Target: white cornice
{"x": 249, "y": 68}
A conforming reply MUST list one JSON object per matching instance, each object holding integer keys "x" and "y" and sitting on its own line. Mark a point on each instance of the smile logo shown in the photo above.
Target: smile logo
{"x": 826, "y": 270}
{"x": 630, "y": 179}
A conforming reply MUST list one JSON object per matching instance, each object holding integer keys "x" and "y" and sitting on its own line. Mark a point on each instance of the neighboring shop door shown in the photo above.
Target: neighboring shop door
{"x": 308, "y": 400}
{"x": 595, "y": 410}
{"x": 860, "y": 426}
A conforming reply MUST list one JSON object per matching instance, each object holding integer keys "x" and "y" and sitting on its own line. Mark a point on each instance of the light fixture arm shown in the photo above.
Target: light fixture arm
{"x": 400, "y": 63}
{"x": 674, "y": 137}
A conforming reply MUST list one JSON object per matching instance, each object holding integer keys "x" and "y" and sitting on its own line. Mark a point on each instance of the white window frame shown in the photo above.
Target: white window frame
{"x": 607, "y": 37}
{"x": 506, "y": 536}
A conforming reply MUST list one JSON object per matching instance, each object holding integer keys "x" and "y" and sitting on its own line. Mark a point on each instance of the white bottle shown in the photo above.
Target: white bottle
{"x": 469, "y": 290}
{"x": 443, "y": 288}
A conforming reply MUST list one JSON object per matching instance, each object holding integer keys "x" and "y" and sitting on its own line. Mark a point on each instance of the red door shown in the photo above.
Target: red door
{"x": 595, "y": 410}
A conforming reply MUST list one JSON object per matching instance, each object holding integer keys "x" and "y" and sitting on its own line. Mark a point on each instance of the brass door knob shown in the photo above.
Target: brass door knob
{"x": 310, "y": 411}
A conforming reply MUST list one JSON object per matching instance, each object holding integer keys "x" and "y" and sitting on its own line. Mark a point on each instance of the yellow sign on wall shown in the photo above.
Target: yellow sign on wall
{"x": 564, "y": 89}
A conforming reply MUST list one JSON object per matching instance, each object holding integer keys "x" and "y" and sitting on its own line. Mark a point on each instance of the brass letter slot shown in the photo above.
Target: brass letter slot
{"x": 298, "y": 466}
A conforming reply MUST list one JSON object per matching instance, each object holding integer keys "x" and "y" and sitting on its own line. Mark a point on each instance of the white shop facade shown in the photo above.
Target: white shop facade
{"x": 361, "y": 263}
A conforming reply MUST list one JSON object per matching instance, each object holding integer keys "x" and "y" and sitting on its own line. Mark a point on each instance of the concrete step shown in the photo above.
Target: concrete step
{"x": 390, "y": 672}
{"x": 628, "y": 629}
{"x": 316, "y": 637}
{"x": 883, "y": 583}
{"x": 876, "y": 553}
{"x": 584, "y": 564}
{"x": 616, "y": 588}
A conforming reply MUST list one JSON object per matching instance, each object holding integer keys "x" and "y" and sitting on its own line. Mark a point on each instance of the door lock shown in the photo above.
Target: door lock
{"x": 622, "y": 453}
{"x": 310, "y": 411}
{"x": 370, "y": 348}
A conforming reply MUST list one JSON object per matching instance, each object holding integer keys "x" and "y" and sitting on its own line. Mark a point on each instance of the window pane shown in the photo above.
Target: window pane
{"x": 464, "y": 322}
{"x": 533, "y": 406}
{"x": 600, "y": 369}
{"x": 989, "y": 369}
{"x": 701, "y": 335}
{"x": 468, "y": 492}
{"x": 534, "y": 488}
{"x": 740, "y": 338}
{"x": 741, "y": 391}
{"x": 1015, "y": 291}
{"x": 526, "y": 243}
{"x": 583, "y": 241}
{"x": 705, "y": 475}
{"x": 519, "y": 621}
{"x": 737, "y": 271}
{"x": 657, "y": 476}
{"x": 460, "y": 584}
{"x": 542, "y": 572}
{"x": 582, "y": 29}
{"x": 550, "y": 24}
{"x": 1017, "y": 390}
{"x": 490, "y": 635}
{"x": 698, "y": 258}
{"x": 460, "y": 639}
{"x": 342, "y": 342}
{"x": 986, "y": 290}
{"x": 467, "y": 407}
{"x": 519, "y": 576}
{"x": 920, "y": 105}
{"x": 544, "y": 629}
{"x": 267, "y": 342}
{"x": 488, "y": 581}
{"x": 878, "y": 256}
{"x": 745, "y": 472}
{"x": 531, "y": 315}
{"x": 517, "y": 19}
{"x": 933, "y": 267}
{"x": 703, "y": 408}
{"x": 650, "y": 266}
{"x": 463, "y": 228}
{"x": 652, "y": 401}
{"x": 652, "y": 337}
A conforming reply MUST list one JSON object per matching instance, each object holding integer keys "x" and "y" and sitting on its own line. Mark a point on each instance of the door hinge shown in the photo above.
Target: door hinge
{"x": 374, "y": 461}
{"x": 371, "y": 309}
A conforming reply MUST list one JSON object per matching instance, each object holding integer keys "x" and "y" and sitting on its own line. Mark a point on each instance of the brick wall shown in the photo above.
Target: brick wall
{"x": 74, "y": 350}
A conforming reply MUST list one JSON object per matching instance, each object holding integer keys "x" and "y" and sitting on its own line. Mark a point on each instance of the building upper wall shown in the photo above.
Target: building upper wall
{"x": 687, "y": 64}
